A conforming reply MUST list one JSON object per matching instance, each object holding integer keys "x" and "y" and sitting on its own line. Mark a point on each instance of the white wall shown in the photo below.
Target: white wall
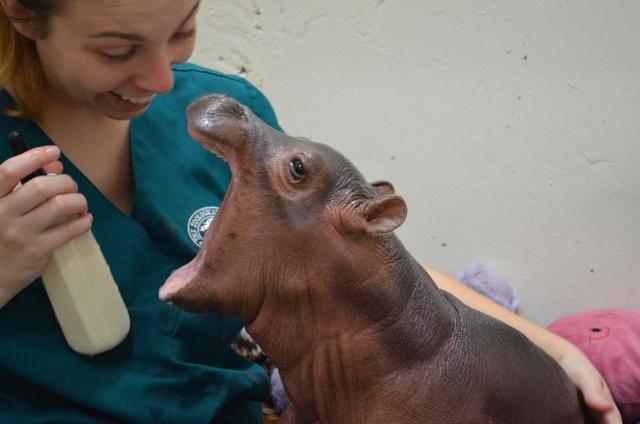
{"x": 512, "y": 128}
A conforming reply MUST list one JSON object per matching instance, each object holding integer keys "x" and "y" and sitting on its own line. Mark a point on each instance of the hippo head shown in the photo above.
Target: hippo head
{"x": 291, "y": 206}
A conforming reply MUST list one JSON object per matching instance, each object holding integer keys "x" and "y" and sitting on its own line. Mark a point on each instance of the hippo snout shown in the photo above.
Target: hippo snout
{"x": 208, "y": 113}
{"x": 219, "y": 124}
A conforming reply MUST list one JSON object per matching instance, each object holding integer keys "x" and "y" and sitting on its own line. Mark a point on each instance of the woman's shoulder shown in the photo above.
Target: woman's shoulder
{"x": 193, "y": 81}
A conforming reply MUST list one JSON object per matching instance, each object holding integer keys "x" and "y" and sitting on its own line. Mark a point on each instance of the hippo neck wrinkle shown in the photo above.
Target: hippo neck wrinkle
{"x": 417, "y": 307}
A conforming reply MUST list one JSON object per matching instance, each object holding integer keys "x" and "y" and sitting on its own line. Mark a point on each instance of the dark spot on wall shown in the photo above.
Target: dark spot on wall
{"x": 525, "y": 57}
{"x": 443, "y": 244}
{"x": 232, "y": 236}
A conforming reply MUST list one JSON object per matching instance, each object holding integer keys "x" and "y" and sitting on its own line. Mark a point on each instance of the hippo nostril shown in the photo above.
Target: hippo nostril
{"x": 596, "y": 330}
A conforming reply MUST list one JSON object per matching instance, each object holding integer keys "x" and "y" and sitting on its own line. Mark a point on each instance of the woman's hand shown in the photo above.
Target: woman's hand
{"x": 35, "y": 219}
{"x": 593, "y": 387}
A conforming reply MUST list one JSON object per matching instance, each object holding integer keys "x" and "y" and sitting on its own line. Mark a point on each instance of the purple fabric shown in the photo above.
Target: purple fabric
{"x": 611, "y": 340}
{"x": 485, "y": 280}
{"x": 280, "y": 398}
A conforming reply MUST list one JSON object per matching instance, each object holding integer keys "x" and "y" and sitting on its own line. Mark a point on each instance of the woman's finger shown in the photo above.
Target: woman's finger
{"x": 56, "y": 210}
{"x": 54, "y": 168}
{"x": 18, "y": 167}
{"x": 61, "y": 234}
{"x": 39, "y": 190}
{"x": 599, "y": 400}
{"x": 611, "y": 417}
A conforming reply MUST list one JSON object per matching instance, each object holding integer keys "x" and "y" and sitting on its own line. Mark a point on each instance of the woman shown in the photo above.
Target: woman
{"x": 94, "y": 87}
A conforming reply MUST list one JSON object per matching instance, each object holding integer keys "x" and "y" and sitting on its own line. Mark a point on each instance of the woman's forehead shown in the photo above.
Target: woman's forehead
{"x": 129, "y": 14}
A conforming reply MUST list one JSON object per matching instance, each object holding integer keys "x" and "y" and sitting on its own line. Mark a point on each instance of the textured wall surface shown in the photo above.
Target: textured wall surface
{"x": 512, "y": 128}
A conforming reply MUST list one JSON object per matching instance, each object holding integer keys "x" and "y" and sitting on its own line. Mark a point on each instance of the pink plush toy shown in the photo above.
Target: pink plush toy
{"x": 611, "y": 340}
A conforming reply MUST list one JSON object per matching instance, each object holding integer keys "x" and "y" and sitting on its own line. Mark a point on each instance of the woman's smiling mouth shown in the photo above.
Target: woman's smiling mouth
{"x": 131, "y": 104}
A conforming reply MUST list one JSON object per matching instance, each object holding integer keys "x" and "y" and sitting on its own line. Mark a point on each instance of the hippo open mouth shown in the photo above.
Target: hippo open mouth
{"x": 209, "y": 123}
{"x": 179, "y": 279}
{"x": 184, "y": 278}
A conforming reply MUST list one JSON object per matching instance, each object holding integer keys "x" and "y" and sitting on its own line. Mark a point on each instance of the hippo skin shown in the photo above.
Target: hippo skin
{"x": 302, "y": 249}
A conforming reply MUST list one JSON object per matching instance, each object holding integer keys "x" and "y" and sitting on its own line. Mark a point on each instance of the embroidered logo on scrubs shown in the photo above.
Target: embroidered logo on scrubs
{"x": 199, "y": 222}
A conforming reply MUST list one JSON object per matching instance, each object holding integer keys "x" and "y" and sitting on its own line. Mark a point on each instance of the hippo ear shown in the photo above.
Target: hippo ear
{"x": 383, "y": 188}
{"x": 380, "y": 215}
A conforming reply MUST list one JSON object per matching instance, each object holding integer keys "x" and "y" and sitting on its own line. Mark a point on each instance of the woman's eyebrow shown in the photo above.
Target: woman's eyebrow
{"x": 134, "y": 37}
{"x": 191, "y": 13}
{"x": 125, "y": 35}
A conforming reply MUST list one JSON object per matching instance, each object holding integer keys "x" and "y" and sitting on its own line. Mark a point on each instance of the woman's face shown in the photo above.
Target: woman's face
{"x": 113, "y": 56}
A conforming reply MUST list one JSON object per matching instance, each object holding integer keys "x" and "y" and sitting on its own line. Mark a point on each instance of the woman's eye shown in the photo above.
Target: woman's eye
{"x": 183, "y": 35}
{"x": 118, "y": 55}
{"x": 296, "y": 169}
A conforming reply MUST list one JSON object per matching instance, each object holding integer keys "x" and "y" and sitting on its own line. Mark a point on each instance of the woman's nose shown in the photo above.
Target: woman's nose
{"x": 155, "y": 75}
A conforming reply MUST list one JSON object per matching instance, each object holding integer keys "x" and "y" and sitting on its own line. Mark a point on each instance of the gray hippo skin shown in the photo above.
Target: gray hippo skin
{"x": 302, "y": 249}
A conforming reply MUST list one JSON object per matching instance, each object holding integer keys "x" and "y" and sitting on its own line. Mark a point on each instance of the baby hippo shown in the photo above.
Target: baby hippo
{"x": 302, "y": 249}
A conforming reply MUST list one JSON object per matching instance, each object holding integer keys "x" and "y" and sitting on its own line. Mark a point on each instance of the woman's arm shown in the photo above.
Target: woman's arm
{"x": 571, "y": 359}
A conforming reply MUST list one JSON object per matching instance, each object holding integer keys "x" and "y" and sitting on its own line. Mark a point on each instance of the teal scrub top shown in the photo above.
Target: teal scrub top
{"x": 173, "y": 367}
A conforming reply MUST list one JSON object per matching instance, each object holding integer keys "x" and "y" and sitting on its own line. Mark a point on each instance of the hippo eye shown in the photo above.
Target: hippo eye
{"x": 296, "y": 168}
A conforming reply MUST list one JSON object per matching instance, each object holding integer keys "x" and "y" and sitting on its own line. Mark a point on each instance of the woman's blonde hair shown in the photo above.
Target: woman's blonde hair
{"x": 20, "y": 68}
